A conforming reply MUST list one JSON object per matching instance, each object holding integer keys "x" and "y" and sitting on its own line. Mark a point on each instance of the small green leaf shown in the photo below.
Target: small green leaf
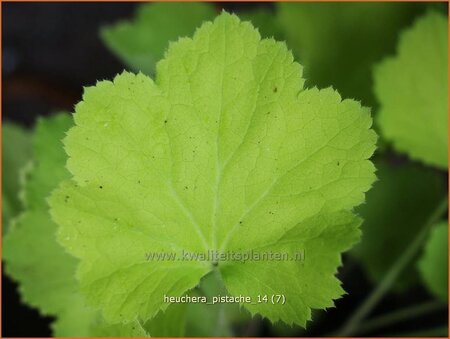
{"x": 396, "y": 209}
{"x": 142, "y": 42}
{"x": 16, "y": 152}
{"x": 433, "y": 264}
{"x": 225, "y": 151}
{"x": 412, "y": 88}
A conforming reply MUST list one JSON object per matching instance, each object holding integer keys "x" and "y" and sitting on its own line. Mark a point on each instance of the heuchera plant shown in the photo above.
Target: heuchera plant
{"x": 224, "y": 151}
{"x": 222, "y": 148}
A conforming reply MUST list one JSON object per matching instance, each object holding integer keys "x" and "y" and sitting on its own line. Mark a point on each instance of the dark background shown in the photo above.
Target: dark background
{"x": 52, "y": 50}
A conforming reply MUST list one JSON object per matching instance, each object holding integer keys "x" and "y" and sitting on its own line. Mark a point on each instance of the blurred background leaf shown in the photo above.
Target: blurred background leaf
{"x": 216, "y": 320}
{"x": 412, "y": 88}
{"x": 396, "y": 209}
{"x": 16, "y": 152}
{"x": 141, "y": 43}
{"x": 169, "y": 323}
{"x": 433, "y": 265}
{"x": 34, "y": 258}
{"x": 338, "y": 42}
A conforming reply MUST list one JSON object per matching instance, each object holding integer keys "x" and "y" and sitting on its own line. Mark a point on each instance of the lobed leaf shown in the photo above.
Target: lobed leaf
{"x": 225, "y": 151}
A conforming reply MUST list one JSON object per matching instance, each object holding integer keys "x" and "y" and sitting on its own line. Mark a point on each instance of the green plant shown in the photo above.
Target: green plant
{"x": 227, "y": 150}
{"x": 213, "y": 156}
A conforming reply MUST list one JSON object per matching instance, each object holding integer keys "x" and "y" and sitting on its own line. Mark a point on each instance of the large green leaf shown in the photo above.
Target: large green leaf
{"x": 225, "y": 151}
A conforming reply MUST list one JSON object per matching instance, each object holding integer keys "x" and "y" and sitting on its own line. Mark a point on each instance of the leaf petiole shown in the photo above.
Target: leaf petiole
{"x": 378, "y": 293}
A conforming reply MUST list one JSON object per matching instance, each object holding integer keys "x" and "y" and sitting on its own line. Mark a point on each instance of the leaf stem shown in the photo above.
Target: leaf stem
{"x": 440, "y": 331}
{"x": 222, "y": 325}
{"x": 399, "y": 265}
{"x": 400, "y": 315}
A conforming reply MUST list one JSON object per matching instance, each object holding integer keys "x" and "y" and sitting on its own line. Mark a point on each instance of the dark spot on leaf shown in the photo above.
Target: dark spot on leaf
{"x": 338, "y": 163}
{"x": 275, "y": 89}
{"x": 165, "y": 121}
{"x": 100, "y": 186}
{"x": 139, "y": 181}
{"x": 215, "y": 264}
{"x": 186, "y": 187}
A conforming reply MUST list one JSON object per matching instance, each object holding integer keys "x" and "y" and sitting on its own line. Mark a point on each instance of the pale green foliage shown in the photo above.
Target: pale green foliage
{"x": 28, "y": 244}
{"x": 396, "y": 209}
{"x": 337, "y": 42}
{"x": 224, "y": 151}
{"x": 16, "y": 152}
{"x": 32, "y": 256}
{"x": 433, "y": 264}
{"x": 142, "y": 42}
{"x": 44, "y": 271}
{"x": 412, "y": 89}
